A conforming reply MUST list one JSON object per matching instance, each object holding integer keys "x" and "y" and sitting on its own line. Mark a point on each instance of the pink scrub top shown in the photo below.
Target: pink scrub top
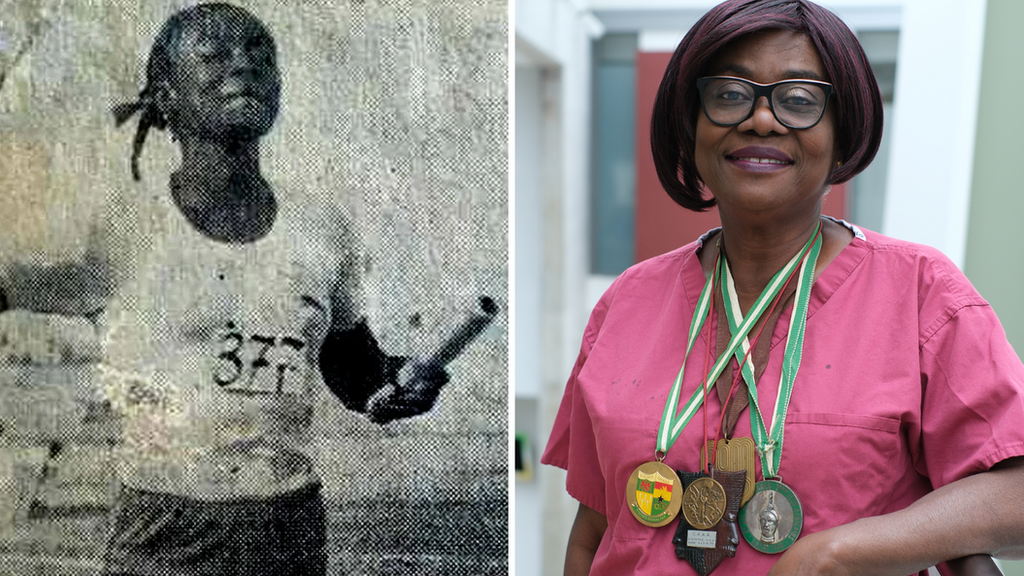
{"x": 907, "y": 384}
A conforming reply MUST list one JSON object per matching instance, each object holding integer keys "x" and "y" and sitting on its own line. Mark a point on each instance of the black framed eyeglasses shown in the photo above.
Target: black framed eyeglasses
{"x": 796, "y": 104}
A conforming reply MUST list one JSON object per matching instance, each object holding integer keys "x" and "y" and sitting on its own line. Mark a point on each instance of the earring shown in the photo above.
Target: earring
{"x": 839, "y": 164}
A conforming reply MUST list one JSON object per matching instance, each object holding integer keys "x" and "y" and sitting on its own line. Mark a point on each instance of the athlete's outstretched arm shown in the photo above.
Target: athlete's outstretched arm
{"x": 357, "y": 371}
{"x": 366, "y": 379}
{"x": 78, "y": 285}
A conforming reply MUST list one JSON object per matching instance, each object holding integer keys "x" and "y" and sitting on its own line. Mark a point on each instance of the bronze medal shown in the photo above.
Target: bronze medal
{"x": 704, "y": 503}
{"x": 772, "y": 520}
{"x": 654, "y": 493}
{"x": 733, "y": 456}
{"x": 706, "y": 549}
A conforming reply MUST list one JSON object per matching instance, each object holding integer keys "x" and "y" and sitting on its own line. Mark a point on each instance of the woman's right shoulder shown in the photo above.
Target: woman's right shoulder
{"x": 664, "y": 266}
{"x": 653, "y": 278}
{"x": 654, "y": 274}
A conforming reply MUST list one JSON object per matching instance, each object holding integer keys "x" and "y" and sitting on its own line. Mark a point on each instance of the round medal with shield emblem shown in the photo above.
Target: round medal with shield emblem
{"x": 654, "y": 493}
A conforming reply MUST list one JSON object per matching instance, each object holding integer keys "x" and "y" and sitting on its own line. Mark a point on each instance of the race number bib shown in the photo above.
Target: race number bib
{"x": 251, "y": 363}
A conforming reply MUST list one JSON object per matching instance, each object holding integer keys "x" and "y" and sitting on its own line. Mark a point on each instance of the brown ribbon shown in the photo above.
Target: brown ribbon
{"x": 759, "y": 357}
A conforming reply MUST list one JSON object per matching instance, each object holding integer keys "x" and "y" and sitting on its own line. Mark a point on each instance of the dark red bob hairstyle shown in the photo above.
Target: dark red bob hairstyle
{"x": 856, "y": 101}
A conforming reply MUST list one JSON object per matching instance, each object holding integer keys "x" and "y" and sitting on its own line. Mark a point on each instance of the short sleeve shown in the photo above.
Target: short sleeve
{"x": 572, "y": 444}
{"x": 973, "y": 397}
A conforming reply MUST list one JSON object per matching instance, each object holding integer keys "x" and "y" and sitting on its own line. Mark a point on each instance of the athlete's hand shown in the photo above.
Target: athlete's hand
{"x": 419, "y": 385}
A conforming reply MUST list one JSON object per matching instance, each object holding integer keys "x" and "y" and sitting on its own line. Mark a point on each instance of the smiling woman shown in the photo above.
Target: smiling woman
{"x": 827, "y": 363}
{"x": 856, "y": 104}
{"x": 795, "y": 164}
{"x": 190, "y": 82}
{"x": 232, "y": 301}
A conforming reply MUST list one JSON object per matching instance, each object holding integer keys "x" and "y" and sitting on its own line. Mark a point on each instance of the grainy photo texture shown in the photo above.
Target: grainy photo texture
{"x": 253, "y": 287}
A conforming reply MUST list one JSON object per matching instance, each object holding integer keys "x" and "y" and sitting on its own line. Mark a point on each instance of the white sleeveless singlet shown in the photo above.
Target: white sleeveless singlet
{"x": 210, "y": 349}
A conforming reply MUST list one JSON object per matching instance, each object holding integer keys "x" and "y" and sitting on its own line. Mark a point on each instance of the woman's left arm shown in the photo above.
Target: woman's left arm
{"x": 352, "y": 363}
{"x": 979, "y": 514}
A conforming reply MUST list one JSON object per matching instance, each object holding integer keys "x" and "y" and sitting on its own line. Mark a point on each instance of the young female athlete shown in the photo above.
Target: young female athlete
{"x": 232, "y": 300}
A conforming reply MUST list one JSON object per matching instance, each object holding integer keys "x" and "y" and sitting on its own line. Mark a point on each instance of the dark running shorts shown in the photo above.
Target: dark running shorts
{"x": 156, "y": 534}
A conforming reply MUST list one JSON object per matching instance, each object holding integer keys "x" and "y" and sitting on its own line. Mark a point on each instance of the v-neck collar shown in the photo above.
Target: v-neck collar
{"x": 831, "y": 278}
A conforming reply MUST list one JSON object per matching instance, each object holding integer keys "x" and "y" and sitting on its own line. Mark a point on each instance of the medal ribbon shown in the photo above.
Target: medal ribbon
{"x": 769, "y": 442}
{"x": 670, "y": 428}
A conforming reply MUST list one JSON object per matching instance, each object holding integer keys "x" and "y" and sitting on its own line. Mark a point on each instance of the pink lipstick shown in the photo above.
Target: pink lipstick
{"x": 759, "y": 159}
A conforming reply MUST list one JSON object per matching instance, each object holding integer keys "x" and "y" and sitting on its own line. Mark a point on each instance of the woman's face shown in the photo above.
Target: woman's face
{"x": 759, "y": 165}
{"x": 224, "y": 80}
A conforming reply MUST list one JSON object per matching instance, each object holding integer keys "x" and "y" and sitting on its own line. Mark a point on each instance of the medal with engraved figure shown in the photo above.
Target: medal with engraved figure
{"x": 773, "y": 517}
{"x": 654, "y": 493}
{"x": 704, "y": 503}
{"x": 772, "y": 520}
{"x": 706, "y": 548}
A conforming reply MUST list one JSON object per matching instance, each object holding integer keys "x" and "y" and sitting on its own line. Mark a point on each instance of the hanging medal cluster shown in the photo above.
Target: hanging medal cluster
{"x": 723, "y": 495}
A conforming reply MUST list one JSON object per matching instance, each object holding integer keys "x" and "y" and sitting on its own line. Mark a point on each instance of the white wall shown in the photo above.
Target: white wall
{"x": 529, "y": 281}
{"x": 552, "y": 184}
{"x": 935, "y": 110}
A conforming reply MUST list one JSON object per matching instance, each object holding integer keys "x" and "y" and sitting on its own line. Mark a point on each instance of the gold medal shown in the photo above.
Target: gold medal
{"x": 704, "y": 503}
{"x": 733, "y": 456}
{"x": 654, "y": 493}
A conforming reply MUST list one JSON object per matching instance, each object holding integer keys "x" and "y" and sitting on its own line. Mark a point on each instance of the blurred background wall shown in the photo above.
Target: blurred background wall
{"x": 588, "y": 203}
{"x": 396, "y": 111}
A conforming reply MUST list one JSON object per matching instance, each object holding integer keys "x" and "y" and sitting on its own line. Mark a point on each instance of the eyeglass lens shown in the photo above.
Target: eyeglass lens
{"x": 796, "y": 104}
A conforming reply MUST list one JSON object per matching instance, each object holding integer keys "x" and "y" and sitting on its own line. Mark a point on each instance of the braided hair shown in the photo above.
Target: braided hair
{"x": 158, "y": 71}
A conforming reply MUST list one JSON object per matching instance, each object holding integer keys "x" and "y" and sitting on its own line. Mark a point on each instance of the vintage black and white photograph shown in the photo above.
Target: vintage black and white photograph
{"x": 253, "y": 287}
